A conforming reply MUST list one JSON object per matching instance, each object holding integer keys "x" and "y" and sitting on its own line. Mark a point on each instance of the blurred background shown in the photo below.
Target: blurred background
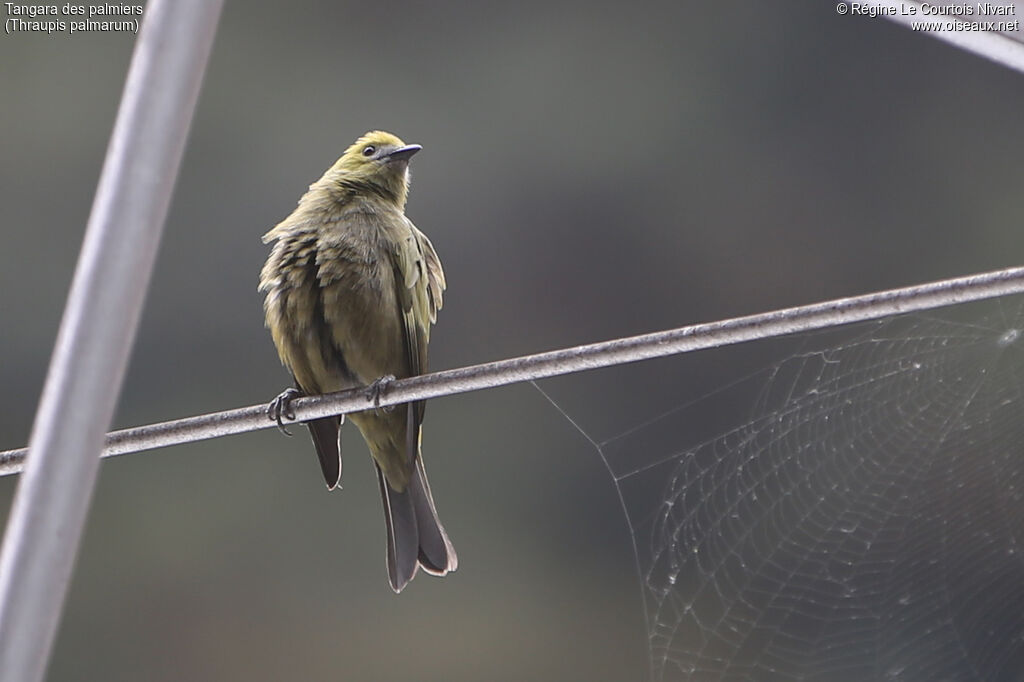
{"x": 590, "y": 170}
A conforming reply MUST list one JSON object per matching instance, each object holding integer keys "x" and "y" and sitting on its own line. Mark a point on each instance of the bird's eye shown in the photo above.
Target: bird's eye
{"x": 369, "y": 150}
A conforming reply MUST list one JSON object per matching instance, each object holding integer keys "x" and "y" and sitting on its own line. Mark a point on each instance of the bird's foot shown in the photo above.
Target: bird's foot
{"x": 377, "y": 389}
{"x": 281, "y": 407}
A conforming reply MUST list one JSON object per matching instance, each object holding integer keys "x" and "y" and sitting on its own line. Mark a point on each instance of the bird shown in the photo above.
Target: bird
{"x": 351, "y": 288}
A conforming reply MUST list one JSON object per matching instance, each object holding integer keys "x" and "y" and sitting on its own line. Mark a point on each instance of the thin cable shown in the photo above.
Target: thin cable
{"x": 89, "y": 358}
{"x": 1002, "y": 48}
{"x": 619, "y": 351}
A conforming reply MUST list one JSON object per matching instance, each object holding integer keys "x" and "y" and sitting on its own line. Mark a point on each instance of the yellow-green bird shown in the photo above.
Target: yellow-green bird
{"x": 351, "y": 289}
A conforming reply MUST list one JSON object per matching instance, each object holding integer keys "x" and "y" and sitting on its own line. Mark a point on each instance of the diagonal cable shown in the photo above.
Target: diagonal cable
{"x": 1006, "y": 48}
{"x": 568, "y": 360}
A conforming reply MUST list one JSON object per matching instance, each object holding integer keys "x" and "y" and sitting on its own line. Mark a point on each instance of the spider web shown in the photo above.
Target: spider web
{"x": 861, "y": 519}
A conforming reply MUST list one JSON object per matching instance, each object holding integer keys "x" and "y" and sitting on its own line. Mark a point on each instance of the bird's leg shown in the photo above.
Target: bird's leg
{"x": 375, "y": 390}
{"x": 281, "y": 406}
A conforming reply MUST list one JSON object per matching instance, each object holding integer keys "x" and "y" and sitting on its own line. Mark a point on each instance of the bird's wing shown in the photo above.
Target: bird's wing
{"x": 435, "y": 275}
{"x": 326, "y": 434}
{"x": 418, "y": 294}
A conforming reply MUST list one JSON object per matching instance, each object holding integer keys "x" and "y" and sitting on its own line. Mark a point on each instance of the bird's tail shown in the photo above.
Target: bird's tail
{"x": 415, "y": 534}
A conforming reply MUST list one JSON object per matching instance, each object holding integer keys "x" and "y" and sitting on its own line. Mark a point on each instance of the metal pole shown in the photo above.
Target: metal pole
{"x": 96, "y": 333}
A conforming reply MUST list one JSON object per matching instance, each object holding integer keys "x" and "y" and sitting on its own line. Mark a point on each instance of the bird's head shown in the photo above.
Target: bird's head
{"x": 379, "y": 160}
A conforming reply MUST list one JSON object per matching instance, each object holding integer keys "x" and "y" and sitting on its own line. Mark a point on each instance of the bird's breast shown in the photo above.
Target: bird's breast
{"x": 331, "y": 301}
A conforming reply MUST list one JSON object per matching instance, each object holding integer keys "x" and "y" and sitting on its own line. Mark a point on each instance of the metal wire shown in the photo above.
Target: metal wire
{"x": 1002, "y": 48}
{"x": 45, "y": 525}
{"x": 568, "y": 360}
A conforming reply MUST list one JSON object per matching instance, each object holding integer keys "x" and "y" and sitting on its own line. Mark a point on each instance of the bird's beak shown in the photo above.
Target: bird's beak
{"x": 403, "y": 153}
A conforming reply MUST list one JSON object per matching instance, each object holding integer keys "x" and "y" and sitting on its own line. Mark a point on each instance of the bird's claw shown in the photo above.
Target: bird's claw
{"x": 281, "y": 406}
{"x": 377, "y": 389}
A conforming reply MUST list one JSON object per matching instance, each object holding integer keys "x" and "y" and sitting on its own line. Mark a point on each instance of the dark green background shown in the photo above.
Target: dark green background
{"x": 589, "y": 171}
